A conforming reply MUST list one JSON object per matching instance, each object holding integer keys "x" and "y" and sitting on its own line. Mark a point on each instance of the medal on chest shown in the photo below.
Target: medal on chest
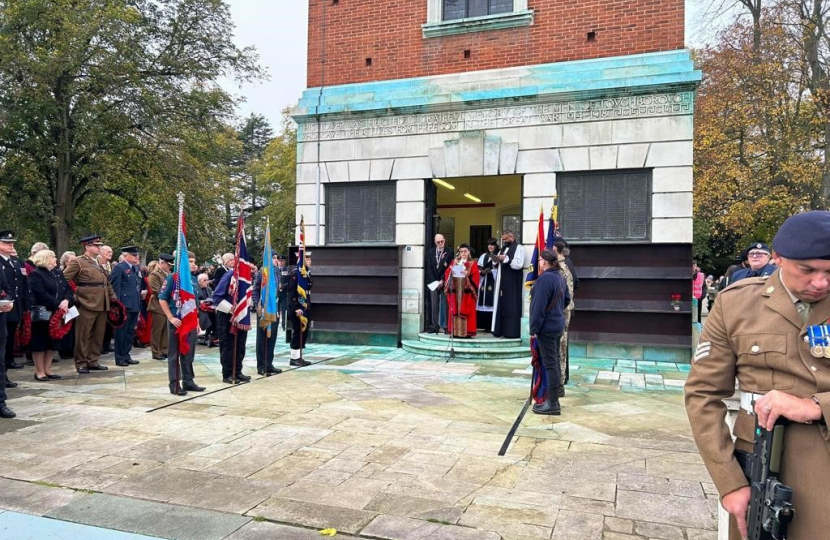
{"x": 819, "y": 336}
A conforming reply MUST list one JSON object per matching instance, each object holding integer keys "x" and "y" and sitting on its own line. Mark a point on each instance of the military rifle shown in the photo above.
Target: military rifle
{"x": 770, "y": 504}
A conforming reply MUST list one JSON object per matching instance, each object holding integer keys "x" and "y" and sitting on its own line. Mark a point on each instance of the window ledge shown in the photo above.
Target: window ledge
{"x": 478, "y": 24}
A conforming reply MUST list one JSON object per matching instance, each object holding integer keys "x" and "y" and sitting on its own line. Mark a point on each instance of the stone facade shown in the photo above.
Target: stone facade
{"x": 633, "y": 112}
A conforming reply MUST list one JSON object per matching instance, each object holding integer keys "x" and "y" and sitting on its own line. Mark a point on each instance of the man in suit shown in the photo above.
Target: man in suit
{"x": 127, "y": 283}
{"x": 5, "y": 308}
{"x": 18, "y": 290}
{"x": 155, "y": 281}
{"x": 437, "y": 262}
{"x": 93, "y": 299}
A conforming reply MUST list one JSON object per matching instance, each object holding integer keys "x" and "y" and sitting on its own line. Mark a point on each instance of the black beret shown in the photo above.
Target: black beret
{"x": 280, "y": 257}
{"x": 7, "y": 236}
{"x": 804, "y": 236}
{"x": 89, "y": 239}
{"x": 166, "y": 258}
{"x": 132, "y": 250}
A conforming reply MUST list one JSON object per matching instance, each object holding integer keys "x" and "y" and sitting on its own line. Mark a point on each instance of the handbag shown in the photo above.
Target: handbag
{"x": 40, "y": 314}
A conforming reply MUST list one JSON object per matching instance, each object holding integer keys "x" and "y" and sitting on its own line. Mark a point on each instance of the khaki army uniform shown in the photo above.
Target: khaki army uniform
{"x": 159, "y": 339}
{"x": 755, "y": 333}
{"x": 563, "y": 343}
{"x": 93, "y": 302}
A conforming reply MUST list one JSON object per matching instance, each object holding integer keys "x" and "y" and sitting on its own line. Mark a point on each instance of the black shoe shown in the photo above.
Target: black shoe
{"x": 10, "y": 384}
{"x": 55, "y": 360}
{"x": 176, "y": 391}
{"x": 5, "y": 412}
{"x": 138, "y": 345}
{"x": 550, "y": 408}
{"x": 14, "y": 365}
{"x": 44, "y": 379}
{"x": 98, "y": 367}
{"x": 228, "y": 380}
{"x": 242, "y": 377}
{"x": 273, "y": 371}
{"x": 54, "y": 377}
{"x": 30, "y": 363}
{"x": 159, "y": 357}
{"x": 298, "y": 362}
{"x": 192, "y": 386}
{"x": 260, "y": 372}
{"x": 122, "y": 364}
{"x": 132, "y": 362}
{"x": 164, "y": 355}
{"x": 106, "y": 351}
{"x": 83, "y": 370}
{"x": 560, "y": 391}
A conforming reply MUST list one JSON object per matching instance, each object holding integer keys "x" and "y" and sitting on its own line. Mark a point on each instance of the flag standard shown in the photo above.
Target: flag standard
{"x": 241, "y": 282}
{"x": 537, "y": 250}
{"x": 553, "y": 225}
{"x": 302, "y": 280}
{"x": 268, "y": 286}
{"x": 183, "y": 294}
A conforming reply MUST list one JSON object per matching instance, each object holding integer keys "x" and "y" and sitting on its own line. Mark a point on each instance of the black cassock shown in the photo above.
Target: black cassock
{"x": 486, "y": 292}
{"x": 507, "y": 318}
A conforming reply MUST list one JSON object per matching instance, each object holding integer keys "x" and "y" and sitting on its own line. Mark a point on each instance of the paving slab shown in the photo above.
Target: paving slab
{"x": 264, "y": 530}
{"x": 313, "y": 515}
{"x": 149, "y": 518}
{"x": 15, "y": 526}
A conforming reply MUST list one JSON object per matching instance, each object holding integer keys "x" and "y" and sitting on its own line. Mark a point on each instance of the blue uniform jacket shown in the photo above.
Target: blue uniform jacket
{"x": 765, "y": 271}
{"x": 127, "y": 284}
{"x": 546, "y": 315}
{"x": 221, "y": 291}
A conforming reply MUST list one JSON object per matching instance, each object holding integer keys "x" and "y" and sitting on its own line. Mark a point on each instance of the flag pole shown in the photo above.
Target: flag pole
{"x": 235, "y": 301}
{"x": 180, "y": 196}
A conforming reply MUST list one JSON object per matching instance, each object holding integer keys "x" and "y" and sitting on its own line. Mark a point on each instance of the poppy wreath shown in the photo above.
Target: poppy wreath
{"x": 141, "y": 325}
{"x": 23, "y": 335}
{"x": 57, "y": 327}
{"x": 117, "y": 315}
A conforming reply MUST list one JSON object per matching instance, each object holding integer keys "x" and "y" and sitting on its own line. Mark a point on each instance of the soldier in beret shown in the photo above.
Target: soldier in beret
{"x": 92, "y": 299}
{"x": 127, "y": 283}
{"x": 760, "y": 332}
{"x": 758, "y": 256}
{"x": 159, "y": 341}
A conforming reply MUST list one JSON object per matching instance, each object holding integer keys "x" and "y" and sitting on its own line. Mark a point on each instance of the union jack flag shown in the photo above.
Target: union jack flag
{"x": 240, "y": 285}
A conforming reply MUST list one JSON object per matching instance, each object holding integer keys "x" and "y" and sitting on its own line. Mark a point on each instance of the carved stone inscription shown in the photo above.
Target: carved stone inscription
{"x": 504, "y": 117}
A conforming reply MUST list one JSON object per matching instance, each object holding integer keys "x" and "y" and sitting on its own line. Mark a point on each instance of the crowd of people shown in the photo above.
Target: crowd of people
{"x": 75, "y": 307}
{"x": 469, "y": 295}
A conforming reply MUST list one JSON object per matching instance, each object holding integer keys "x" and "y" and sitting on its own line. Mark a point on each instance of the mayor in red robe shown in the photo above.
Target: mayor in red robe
{"x": 469, "y": 295}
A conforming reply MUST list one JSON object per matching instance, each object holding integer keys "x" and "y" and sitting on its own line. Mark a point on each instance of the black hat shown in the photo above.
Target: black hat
{"x": 166, "y": 258}
{"x": 758, "y": 246}
{"x": 132, "y": 250}
{"x": 91, "y": 239}
{"x": 280, "y": 257}
{"x": 7, "y": 236}
{"x": 804, "y": 236}
{"x": 467, "y": 247}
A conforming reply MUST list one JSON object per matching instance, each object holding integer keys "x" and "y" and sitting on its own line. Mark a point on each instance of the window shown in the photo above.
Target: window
{"x": 360, "y": 213}
{"x": 512, "y": 222}
{"x": 604, "y": 206}
{"x": 464, "y": 9}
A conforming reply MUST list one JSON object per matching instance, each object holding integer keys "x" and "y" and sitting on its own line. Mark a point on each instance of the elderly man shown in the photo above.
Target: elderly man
{"x": 105, "y": 258}
{"x": 227, "y": 264}
{"x": 207, "y": 313}
{"x": 437, "y": 262}
{"x": 159, "y": 340}
{"x": 127, "y": 283}
{"x": 507, "y": 316}
{"x": 758, "y": 257}
{"x": 93, "y": 299}
{"x": 769, "y": 333}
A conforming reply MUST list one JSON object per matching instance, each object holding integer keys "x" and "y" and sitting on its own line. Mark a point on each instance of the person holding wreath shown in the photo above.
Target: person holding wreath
{"x": 462, "y": 278}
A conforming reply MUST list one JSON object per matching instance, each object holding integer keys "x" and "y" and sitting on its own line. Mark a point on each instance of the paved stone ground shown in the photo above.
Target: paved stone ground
{"x": 373, "y": 442}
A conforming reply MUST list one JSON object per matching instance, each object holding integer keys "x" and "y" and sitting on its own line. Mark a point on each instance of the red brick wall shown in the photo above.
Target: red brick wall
{"x": 389, "y": 32}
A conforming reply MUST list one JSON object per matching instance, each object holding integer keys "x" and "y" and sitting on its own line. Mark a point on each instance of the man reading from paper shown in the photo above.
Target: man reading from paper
{"x": 507, "y": 314}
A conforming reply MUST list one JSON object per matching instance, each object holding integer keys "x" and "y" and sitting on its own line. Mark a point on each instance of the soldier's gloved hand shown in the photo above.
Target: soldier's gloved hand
{"x": 775, "y": 404}
{"x": 737, "y": 504}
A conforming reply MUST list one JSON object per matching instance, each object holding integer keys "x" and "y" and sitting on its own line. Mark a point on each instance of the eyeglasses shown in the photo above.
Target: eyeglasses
{"x": 756, "y": 254}
{"x": 439, "y": 241}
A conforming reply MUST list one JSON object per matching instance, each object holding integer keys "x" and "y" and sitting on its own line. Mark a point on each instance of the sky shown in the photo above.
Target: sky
{"x": 277, "y": 28}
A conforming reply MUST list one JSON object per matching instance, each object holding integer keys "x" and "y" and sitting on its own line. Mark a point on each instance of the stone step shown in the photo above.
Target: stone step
{"x": 462, "y": 351}
{"x": 479, "y": 342}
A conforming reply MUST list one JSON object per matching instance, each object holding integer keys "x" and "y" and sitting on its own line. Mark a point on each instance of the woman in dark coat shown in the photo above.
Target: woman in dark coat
{"x": 487, "y": 286}
{"x": 48, "y": 291}
{"x": 548, "y": 299}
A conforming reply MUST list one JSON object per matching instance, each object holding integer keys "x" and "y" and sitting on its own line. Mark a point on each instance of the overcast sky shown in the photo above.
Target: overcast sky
{"x": 277, "y": 28}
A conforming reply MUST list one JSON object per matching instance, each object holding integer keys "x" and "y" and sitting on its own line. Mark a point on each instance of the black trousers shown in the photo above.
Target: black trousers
{"x": 180, "y": 366}
{"x": 549, "y": 347}
{"x": 3, "y": 371}
{"x": 124, "y": 337}
{"x": 226, "y": 345}
{"x": 108, "y": 332}
{"x": 296, "y": 332}
{"x": 282, "y": 304}
{"x": 11, "y": 328}
{"x": 265, "y": 346}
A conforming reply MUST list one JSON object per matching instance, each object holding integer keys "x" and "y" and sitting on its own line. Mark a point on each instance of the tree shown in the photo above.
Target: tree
{"x": 107, "y": 99}
{"x": 277, "y": 174}
{"x": 254, "y": 134}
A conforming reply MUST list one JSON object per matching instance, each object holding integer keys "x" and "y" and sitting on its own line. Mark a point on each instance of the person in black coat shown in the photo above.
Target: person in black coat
{"x": 18, "y": 291}
{"x": 5, "y": 307}
{"x": 46, "y": 292}
{"x": 437, "y": 261}
{"x": 548, "y": 299}
{"x": 127, "y": 284}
